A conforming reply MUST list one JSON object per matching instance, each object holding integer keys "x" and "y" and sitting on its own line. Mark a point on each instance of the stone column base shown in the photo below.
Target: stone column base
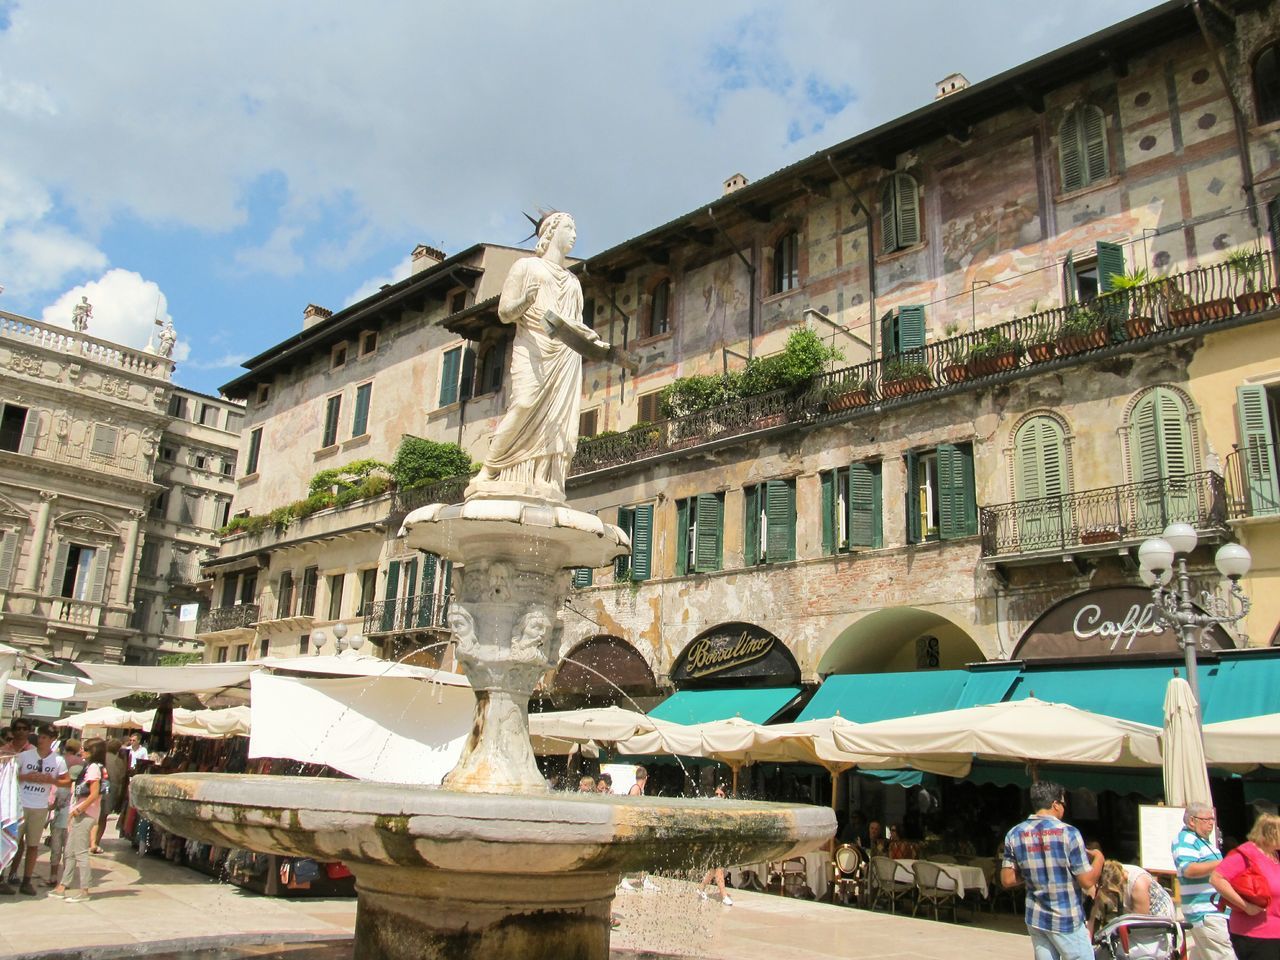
{"x": 425, "y": 914}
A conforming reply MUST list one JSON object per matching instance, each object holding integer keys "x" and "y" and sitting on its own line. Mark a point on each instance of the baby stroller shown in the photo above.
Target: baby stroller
{"x": 1137, "y": 937}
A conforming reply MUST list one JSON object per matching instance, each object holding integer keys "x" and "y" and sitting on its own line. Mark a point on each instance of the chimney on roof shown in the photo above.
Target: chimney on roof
{"x": 313, "y": 315}
{"x": 736, "y": 182}
{"x": 425, "y": 257}
{"x": 951, "y": 83}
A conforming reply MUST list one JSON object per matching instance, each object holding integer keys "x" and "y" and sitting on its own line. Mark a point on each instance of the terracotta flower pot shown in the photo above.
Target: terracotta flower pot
{"x": 1219, "y": 309}
{"x": 1079, "y": 342}
{"x": 995, "y": 363}
{"x": 1139, "y": 327}
{"x": 1185, "y": 316}
{"x": 849, "y": 400}
{"x": 956, "y": 372}
{"x": 900, "y": 388}
{"x": 1040, "y": 352}
{"x": 1255, "y": 301}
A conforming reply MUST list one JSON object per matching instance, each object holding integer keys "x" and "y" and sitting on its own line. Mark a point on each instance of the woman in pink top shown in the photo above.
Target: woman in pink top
{"x": 1255, "y": 931}
{"x": 86, "y": 795}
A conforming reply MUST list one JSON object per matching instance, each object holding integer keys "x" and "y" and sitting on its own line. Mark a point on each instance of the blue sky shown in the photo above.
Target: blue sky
{"x": 226, "y": 165}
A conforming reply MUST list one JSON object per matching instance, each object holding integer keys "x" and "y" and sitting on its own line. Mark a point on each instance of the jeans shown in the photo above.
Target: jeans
{"x": 1061, "y": 946}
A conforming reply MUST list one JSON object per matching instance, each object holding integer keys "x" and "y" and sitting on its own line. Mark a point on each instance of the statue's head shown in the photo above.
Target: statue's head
{"x": 549, "y": 226}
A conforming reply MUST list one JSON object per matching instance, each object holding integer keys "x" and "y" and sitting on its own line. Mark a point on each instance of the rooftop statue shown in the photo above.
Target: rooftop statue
{"x": 532, "y": 448}
{"x": 80, "y": 315}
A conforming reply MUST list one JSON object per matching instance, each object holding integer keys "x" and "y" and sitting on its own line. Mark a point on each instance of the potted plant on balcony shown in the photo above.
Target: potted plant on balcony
{"x": 846, "y": 391}
{"x": 1139, "y": 320}
{"x": 955, "y": 367}
{"x": 994, "y": 353}
{"x": 1042, "y": 329}
{"x": 1092, "y": 535}
{"x": 1249, "y": 264}
{"x": 1083, "y": 329}
{"x": 905, "y": 374}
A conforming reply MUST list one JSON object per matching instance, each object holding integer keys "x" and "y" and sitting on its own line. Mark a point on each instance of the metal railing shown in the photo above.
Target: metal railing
{"x": 406, "y": 613}
{"x": 1193, "y": 300}
{"x": 1132, "y": 511}
{"x": 228, "y": 618}
{"x": 186, "y": 571}
{"x": 1253, "y": 489}
{"x": 404, "y": 502}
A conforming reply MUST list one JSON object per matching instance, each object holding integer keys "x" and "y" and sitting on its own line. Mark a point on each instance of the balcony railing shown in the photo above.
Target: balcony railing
{"x": 1253, "y": 489}
{"x": 1196, "y": 300}
{"x": 405, "y": 614}
{"x": 186, "y": 572}
{"x": 404, "y": 502}
{"x": 62, "y": 340}
{"x": 228, "y": 618}
{"x": 1132, "y": 511}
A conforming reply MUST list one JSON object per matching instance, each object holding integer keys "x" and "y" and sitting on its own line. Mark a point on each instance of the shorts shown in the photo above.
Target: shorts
{"x": 34, "y": 820}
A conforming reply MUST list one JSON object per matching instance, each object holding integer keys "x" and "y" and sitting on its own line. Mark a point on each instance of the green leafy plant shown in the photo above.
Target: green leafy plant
{"x": 993, "y": 343}
{"x": 690, "y": 394}
{"x": 419, "y": 462}
{"x": 338, "y": 479}
{"x": 1080, "y": 322}
{"x": 904, "y": 368}
{"x": 1248, "y": 264}
{"x": 801, "y": 360}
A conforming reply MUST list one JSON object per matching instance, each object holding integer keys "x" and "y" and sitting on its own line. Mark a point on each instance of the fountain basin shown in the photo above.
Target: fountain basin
{"x": 441, "y": 873}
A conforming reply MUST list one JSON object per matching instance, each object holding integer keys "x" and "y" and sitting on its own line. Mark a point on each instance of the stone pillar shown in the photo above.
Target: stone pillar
{"x": 129, "y": 561}
{"x": 39, "y": 540}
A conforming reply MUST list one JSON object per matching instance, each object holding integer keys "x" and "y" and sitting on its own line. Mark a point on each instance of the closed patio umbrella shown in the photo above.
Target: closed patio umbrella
{"x": 1186, "y": 777}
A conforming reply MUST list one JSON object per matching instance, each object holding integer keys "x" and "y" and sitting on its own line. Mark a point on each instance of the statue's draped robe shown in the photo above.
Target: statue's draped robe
{"x": 535, "y": 441}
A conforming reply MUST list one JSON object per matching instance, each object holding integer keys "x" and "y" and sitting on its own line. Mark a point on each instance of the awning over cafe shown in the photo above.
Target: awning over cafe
{"x": 867, "y": 697}
{"x": 757, "y": 704}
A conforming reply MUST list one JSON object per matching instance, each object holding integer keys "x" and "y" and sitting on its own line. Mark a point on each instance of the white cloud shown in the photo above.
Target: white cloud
{"x": 40, "y": 257}
{"x": 367, "y": 289}
{"x": 125, "y": 307}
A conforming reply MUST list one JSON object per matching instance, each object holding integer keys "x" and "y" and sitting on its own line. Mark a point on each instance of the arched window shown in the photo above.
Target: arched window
{"x": 899, "y": 213}
{"x": 1160, "y": 456}
{"x": 786, "y": 263}
{"x": 1266, "y": 84}
{"x": 660, "y": 309}
{"x": 1040, "y": 480}
{"x": 1082, "y": 148}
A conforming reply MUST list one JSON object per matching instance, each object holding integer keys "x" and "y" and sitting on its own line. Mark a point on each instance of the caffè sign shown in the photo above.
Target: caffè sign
{"x": 735, "y": 651}
{"x": 1107, "y": 623}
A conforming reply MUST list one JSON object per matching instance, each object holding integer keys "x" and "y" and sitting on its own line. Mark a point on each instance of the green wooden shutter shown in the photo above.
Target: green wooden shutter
{"x": 468, "y": 375}
{"x": 626, "y": 523}
{"x": 1071, "y": 152}
{"x": 888, "y": 218}
{"x": 642, "y": 542}
{"x": 1175, "y": 435}
{"x": 1257, "y": 440}
{"x": 393, "y": 581}
{"x": 1040, "y": 472}
{"x": 427, "y": 600}
{"x": 830, "y": 524}
{"x": 8, "y": 549}
{"x": 751, "y": 525}
{"x": 889, "y": 334}
{"x": 1273, "y": 228}
{"x": 709, "y": 548}
{"x": 957, "y": 509}
{"x": 682, "y": 536}
{"x": 1093, "y": 125}
{"x": 1144, "y": 441}
{"x": 446, "y": 589}
{"x": 780, "y": 514}
{"x": 911, "y": 332}
{"x": 913, "y": 497}
{"x": 1110, "y": 265}
{"x": 582, "y": 576}
{"x": 98, "y": 574}
{"x": 864, "y": 505}
{"x": 907, "y": 194}
{"x": 360, "y": 419}
{"x": 449, "y": 376}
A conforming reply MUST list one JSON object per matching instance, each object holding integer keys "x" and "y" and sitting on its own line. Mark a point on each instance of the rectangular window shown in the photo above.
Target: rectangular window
{"x": 222, "y": 514}
{"x": 255, "y": 448}
{"x": 189, "y": 508}
{"x": 178, "y": 407}
{"x": 222, "y": 654}
{"x": 660, "y": 312}
{"x": 360, "y": 419}
{"x": 248, "y": 587}
{"x": 851, "y": 508}
{"x": 582, "y": 576}
{"x": 769, "y": 529}
{"x": 332, "y": 411}
{"x": 339, "y": 356}
{"x": 368, "y": 342}
{"x": 149, "y": 560}
{"x": 649, "y": 409}
{"x": 458, "y": 301}
{"x": 201, "y": 461}
{"x": 588, "y": 421}
{"x": 941, "y": 502}
{"x": 104, "y": 440}
{"x": 786, "y": 263}
{"x": 229, "y": 583}
{"x": 637, "y": 523}
{"x": 700, "y": 534}
{"x": 284, "y": 595}
{"x": 77, "y": 575}
{"x": 228, "y": 466}
{"x": 304, "y": 644}
{"x": 337, "y": 584}
{"x": 168, "y": 454}
{"x": 310, "y": 579}
{"x": 902, "y": 331}
{"x": 263, "y": 646}
{"x": 208, "y": 415}
{"x": 13, "y": 423}
{"x": 368, "y": 588}
{"x": 589, "y": 312}
{"x": 242, "y": 652}
{"x": 450, "y": 369}
{"x": 235, "y": 421}
{"x": 264, "y": 393}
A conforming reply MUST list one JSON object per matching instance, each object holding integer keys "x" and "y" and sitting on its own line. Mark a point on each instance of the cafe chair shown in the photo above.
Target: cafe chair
{"x": 849, "y": 874}
{"x": 934, "y": 888}
{"x": 790, "y": 878}
{"x": 891, "y": 883}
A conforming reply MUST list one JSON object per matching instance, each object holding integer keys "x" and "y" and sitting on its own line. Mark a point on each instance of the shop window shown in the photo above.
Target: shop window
{"x": 332, "y": 413}
{"x": 851, "y": 508}
{"x": 637, "y": 523}
{"x": 1256, "y": 416}
{"x": 104, "y": 440}
{"x": 360, "y": 418}
{"x": 588, "y": 423}
{"x": 368, "y": 342}
{"x": 902, "y": 333}
{"x": 307, "y": 602}
{"x": 700, "y": 534}
{"x": 899, "y": 213}
{"x": 786, "y": 263}
{"x": 255, "y": 448}
{"x": 941, "y": 502}
{"x": 1082, "y": 148}
{"x": 1266, "y": 84}
{"x": 659, "y": 310}
{"x": 649, "y": 407}
{"x": 769, "y": 529}
{"x": 13, "y": 425}
{"x": 337, "y": 584}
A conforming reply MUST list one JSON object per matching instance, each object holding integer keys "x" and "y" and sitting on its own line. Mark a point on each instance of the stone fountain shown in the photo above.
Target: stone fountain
{"x": 491, "y": 864}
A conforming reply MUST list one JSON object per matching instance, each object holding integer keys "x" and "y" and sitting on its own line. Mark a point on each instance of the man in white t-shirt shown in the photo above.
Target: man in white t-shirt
{"x": 137, "y": 751}
{"x": 40, "y": 773}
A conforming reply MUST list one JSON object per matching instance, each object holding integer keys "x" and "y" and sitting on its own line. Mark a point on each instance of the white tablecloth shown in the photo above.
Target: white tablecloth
{"x": 966, "y": 878}
{"x": 816, "y": 866}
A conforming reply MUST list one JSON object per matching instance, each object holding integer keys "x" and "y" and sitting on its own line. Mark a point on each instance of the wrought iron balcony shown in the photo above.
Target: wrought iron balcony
{"x": 404, "y": 502}
{"x": 242, "y": 615}
{"x": 1253, "y": 489}
{"x": 1124, "y": 514}
{"x": 405, "y": 614}
{"x": 1166, "y": 308}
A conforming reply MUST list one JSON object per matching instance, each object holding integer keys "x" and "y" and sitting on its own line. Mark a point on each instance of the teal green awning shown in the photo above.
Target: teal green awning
{"x": 758, "y": 704}
{"x": 1247, "y": 686}
{"x": 1128, "y": 691}
{"x": 989, "y": 685}
{"x": 1146, "y": 783}
{"x": 867, "y": 697}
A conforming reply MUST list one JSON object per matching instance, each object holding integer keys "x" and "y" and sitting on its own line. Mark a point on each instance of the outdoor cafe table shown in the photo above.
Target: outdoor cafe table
{"x": 966, "y": 877}
{"x": 816, "y": 865}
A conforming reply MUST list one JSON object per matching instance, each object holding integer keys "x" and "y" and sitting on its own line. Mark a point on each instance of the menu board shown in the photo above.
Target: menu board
{"x": 1158, "y": 827}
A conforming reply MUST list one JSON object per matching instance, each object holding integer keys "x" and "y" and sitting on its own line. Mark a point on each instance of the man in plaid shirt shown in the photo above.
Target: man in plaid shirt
{"x": 1049, "y": 857}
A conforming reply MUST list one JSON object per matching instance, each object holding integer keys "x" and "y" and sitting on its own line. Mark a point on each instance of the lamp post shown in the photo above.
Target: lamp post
{"x": 1162, "y": 558}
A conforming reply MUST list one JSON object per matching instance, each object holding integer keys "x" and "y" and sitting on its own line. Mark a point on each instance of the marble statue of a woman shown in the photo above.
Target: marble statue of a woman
{"x": 531, "y": 449}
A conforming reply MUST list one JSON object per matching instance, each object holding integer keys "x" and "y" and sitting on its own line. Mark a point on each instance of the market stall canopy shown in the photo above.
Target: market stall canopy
{"x": 112, "y": 681}
{"x": 1245, "y": 743}
{"x": 556, "y": 731}
{"x": 347, "y": 665}
{"x": 209, "y": 724}
{"x": 1027, "y": 729}
{"x": 45, "y": 689}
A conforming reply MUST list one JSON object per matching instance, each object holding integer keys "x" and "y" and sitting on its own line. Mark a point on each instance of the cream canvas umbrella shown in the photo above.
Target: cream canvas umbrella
{"x": 558, "y": 730}
{"x": 1245, "y": 743}
{"x": 1186, "y": 777}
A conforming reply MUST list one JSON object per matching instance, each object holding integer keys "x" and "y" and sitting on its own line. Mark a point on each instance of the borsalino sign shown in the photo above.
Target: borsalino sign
{"x": 735, "y": 651}
{"x": 1110, "y": 622}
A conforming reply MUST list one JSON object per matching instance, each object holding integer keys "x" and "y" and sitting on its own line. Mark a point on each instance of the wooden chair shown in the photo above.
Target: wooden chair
{"x": 849, "y": 873}
{"x": 934, "y": 887}
{"x": 891, "y": 882}
{"x": 790, "y": 878}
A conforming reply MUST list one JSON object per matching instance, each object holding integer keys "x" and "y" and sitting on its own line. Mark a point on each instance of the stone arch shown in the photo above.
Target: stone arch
{"x": 604, "y": 670}
{"x": 88, "y": 523}
{"x": 1194, "y": 426}
{"x": 885, "y": 642}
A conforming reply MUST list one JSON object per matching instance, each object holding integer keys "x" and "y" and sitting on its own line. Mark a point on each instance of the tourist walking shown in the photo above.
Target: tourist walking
{"x": 40, "y": 772}
{"x": 1195, "y": 856}
{"x": 59, "y": 819}
{"x": 716, "y": 873}
{"x": 1255, "y": 930}
{"x": 84, "y": 814}
{"x": 1049, "y": 857}
{"x": 638, "y": 790}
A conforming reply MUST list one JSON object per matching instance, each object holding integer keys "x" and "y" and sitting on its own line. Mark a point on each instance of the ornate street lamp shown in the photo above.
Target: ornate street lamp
{"x": 1160, "y": 559}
